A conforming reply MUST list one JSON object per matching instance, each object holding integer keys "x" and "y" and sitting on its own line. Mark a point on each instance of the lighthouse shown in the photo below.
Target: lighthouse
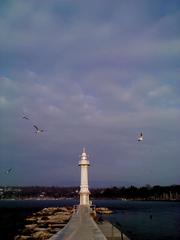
{"x": 84, "y": 190}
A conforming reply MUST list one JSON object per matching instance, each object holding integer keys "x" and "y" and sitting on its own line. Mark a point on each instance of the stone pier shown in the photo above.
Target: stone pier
{"x": 80, "y": 227}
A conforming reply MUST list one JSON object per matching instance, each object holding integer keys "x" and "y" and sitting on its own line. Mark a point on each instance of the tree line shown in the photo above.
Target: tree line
{"x": 130, "y": 193}
{"x": 140, "y": 193}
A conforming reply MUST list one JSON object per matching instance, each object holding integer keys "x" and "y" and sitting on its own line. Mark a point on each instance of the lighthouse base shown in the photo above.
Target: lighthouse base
{"x": 84, "y": 198}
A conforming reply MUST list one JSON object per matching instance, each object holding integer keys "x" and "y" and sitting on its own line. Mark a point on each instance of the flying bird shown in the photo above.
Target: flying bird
{"x": 25, "y": 117}
{"x": 8, "y": 171}
{"x": 38, "y": 130}
{"x": 141, "y": 138}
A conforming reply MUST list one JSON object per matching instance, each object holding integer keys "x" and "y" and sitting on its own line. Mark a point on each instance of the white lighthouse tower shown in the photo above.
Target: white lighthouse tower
{"x": 84, "y": 190}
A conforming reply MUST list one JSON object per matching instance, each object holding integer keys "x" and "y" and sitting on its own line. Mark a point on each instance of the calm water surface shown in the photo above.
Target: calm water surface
{"x": 146, "y": 220}
{"x": 139, "y": 220}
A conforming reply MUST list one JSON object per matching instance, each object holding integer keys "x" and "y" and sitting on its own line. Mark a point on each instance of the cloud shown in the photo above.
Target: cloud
{"x": 3, "y": 101}
{"x": 93, "y": 74}
{"x": 161, "y": 91}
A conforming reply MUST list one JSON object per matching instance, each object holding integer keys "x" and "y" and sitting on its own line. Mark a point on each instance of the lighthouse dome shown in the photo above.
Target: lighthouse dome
{"x": 84, "y": 158}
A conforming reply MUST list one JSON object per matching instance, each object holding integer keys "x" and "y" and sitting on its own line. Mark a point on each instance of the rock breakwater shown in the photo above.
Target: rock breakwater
{"x": 45, "y": 223}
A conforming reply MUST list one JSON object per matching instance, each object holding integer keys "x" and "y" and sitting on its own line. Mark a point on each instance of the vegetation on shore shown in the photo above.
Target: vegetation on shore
{"x": 132, "y": 193}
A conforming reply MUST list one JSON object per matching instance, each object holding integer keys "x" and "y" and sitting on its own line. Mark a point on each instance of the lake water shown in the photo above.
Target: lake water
{"x": 139, "y": 220}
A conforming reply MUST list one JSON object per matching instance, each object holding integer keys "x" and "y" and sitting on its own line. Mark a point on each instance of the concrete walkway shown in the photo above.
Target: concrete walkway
{"x": 80, "y": 227}
{"x": 111, "y": 232}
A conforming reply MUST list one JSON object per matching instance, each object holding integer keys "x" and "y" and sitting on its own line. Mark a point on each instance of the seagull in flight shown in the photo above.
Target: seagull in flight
{"x": 25, "y": 117}
{"x": 8, "y": 171}
{"x": 141, "y": 138}
{"x": 38, "y": 130}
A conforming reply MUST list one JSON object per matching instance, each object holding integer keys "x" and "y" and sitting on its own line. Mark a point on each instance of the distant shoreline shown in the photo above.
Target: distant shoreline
{"x": 57, "y": 199}
{"x": 146, "y": 193}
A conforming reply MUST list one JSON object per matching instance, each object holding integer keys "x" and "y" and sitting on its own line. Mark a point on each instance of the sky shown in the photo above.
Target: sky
{"x": 92, "y": 74}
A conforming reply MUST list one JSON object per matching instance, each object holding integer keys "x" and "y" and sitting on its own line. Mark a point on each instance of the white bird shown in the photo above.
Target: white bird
{"x": 141, "y": 138}
{"x": 37, "y": 129}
